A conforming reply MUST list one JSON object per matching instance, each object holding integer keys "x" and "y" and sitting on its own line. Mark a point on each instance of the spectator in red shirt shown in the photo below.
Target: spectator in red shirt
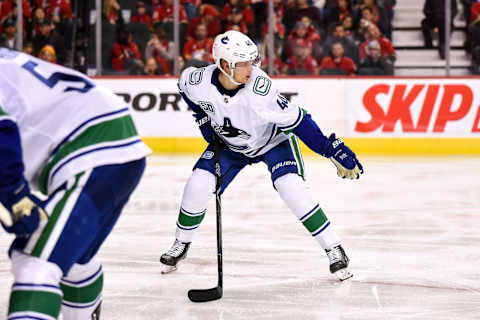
{"x": 312, "y": 33}
{"x": 301, "y": 9}
{"x": 242, "y": 6}
{"x": 337, "y": 63}
{"x": 210, "y": 17}
{"x": 156, "y": 3}
{"x": 314, "y": 36}
{"x": 302, "y": 61}
{"x": 141, "y": 15}
{"x": 161, "y": 49}
{"x": 38, "y": 17}
{"x": 56, "y": 10}
{"x": 280, "y": 68}
{"x": 386, "y": 46}
{"x": 373, "y": 9}
{"x": 238, "y": 12}
{"x": 366, "y": 20}
{"x": 111, "y": 10}
{"x": 238, "y": 21}
{"x": 300, "y": 36}
{"x": 260, "y": 9}
{"x": 125, "y": 50}
{"x": 164, "y": 13}
{"x": 8, "y": 7}
{"x": 475, "y": 12}
{"x": 200, "y": 47}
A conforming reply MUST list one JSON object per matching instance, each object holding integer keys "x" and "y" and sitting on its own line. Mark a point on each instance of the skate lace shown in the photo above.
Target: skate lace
{"x": 176, "y": 249}
{"x": 335, "y": 255}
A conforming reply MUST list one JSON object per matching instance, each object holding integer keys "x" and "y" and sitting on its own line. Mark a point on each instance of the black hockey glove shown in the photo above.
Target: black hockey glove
{"x": 343, "y": 158}
{"x": 23, "y": 210}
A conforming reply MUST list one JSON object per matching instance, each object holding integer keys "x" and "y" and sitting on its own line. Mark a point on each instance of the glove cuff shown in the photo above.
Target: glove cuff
{"x": 331, "y": 145}
{"x": 11, "y": 195}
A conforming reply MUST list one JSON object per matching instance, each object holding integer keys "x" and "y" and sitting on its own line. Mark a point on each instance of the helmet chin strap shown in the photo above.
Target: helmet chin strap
{"x": 230, "y": 76}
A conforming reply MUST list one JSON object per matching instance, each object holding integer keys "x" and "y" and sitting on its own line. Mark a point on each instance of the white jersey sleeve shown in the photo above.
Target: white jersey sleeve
{"x": 188, "y": 79}
{"x": 270, "y": 105}
{"x": 67, "y": 122}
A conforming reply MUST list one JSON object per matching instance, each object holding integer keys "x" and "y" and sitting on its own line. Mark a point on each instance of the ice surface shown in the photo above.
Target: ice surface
{"x": 409, "y": 225}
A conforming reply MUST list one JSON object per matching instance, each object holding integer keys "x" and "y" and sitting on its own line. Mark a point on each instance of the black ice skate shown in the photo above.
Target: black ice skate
{"x": 339, "y": 263}
{"x": 174, "y": 255}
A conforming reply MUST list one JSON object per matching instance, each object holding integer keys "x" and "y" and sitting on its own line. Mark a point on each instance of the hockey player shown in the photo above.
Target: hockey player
{"x": 237, "y": 102}
{"x": 71, "y": 139}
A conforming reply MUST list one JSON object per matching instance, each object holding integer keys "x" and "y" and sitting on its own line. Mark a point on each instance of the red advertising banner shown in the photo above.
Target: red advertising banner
{"x": 410, "y": 108}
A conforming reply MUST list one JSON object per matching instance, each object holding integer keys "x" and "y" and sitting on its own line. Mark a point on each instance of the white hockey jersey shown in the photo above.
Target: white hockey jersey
{"x": 253, "y": 121}
{"x": 67, "y": 123}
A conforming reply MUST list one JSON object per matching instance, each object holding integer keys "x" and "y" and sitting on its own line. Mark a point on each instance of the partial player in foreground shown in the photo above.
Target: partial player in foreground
{"x": 61, "y": 134}
{"x": 237, "y": 102}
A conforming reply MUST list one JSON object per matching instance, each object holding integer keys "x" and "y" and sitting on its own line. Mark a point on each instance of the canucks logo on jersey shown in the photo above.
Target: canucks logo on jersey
{"x": 229, "y": 131}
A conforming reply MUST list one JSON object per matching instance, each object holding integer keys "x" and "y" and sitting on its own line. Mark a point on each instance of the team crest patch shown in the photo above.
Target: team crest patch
{"x": 262, "y": 86}
{"x": 207, "y": 106}
{"x": 208, "y": 155}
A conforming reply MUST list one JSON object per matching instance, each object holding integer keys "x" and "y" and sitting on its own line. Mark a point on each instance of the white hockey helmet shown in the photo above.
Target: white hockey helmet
{"x": 233, "y": 47}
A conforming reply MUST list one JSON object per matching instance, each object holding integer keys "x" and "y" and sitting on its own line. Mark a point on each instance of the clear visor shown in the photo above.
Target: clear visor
{"x": 255, "y": 62}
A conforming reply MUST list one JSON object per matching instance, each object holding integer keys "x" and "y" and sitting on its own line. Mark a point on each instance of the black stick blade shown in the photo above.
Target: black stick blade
{"x": 205, "y": 295}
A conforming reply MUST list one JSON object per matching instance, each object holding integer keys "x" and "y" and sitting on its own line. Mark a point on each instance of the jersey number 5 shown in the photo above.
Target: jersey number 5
{"x": 59, "y": 76}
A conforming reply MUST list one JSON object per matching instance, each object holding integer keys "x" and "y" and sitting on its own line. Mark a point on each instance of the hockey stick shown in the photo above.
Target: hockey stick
{"x": 205, "y": 295}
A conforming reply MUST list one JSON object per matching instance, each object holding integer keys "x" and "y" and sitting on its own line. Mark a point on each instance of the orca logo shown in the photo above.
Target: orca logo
{"x": 225, "y": 40}
{"x": 229, "y": 131}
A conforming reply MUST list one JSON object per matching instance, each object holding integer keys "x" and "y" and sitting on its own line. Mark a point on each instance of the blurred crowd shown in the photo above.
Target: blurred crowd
{"x": 344, "y": 37}
{"x": 46, "y": 25}
{"x": 311, "y": 37}
{"x": 433, "y": 25}
{"x": 472, "y": 45}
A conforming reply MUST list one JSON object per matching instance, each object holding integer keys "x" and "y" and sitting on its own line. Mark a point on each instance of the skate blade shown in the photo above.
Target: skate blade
{"x": 168, "y": 269}
{"x": 343, "y": 274}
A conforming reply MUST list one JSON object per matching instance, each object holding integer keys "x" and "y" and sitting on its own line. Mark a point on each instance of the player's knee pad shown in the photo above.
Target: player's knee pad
{"x": 82, "y": 291}
{"x": 295, "y": 193}
{"x": 36, "y": 293}
{"x": 198, "y": 190}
